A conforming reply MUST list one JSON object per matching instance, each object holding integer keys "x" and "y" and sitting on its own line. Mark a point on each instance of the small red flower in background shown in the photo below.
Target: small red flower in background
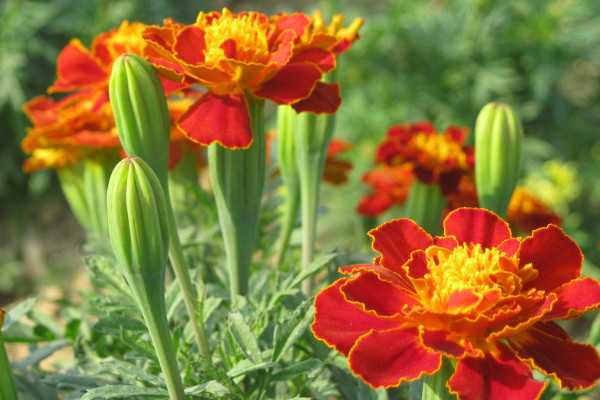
{"x": 438, "y": 158}
{"x": 336, "y": 170}
{"x": 390, "y": 186}
{"x": 527, "y": 212}
{"x": 476, "y": 295}
{"x": 235, "y": 54}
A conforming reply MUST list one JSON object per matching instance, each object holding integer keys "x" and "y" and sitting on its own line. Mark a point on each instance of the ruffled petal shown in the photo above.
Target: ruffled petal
{"x": 324, "y": 59}
{"x": 340, "y": 323}
{"x": 575, "y": 298}
{"x": 377, "y": 296}
{"x": 290, "y": 84}
{"x": 222, "y": 119}
{"x": 554, "y": 255}
{"x": 325, "y": 98}
{"x": 489, "y": 378}
{"x": 76, "y": 68}
{"x": 476, "y": 225}
{"x": 388, "y": 358}
{"x": 549, "y": 348}
{"x": 396, "y": 240}
{"x": 190, "y": 45}
{"x": 443, "y": 342}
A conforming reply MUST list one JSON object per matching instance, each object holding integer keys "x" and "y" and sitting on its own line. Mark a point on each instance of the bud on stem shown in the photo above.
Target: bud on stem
{"x": 498, "y": 136}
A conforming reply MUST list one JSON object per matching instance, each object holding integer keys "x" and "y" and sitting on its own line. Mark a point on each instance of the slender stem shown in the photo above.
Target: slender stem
{"x": 237, "y": 178}
{"x": 425, "y": 205}
{"x": 434, "y": 386}
{"x": 151, "y": 300}
{"x": 8, "y": 390}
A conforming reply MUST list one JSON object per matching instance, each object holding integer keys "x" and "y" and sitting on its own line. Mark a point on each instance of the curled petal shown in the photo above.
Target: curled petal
{"x": 340, "y": 323}
{"x": 190, "y": 45}
{"x": 324, "y": 59}
{"x": 293, "y": 82}
{"x": 377, "y": 296}
{"x": 388, "y": 358}
{"x": 476, "y": 225}
{"x": 554, "y": 255}
{"x": 491, "y": 378}
{"x": 548, "y": 348}
{"x": 443, "y": 342}
{"x": 396, "y": 240}
{"x": 575, "y": 298}
{"x": 76, "y": 68}
{"x": 325, "y": 98}
{"x": 223, "y": 119}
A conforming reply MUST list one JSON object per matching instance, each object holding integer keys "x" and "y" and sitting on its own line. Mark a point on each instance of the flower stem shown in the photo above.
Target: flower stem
{"x": 425, "y": 205}
{"x": 434, "y": 386}
{"x": 8, "y": 390}
{"x": 237, "y": 178}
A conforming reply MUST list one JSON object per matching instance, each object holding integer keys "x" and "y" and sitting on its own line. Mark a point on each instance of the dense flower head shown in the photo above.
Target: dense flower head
{"x": 436, "y": 157}
{"x": 527, "y": 212}
{"x": 235, "y": 55}
{"x": 476, "y": 295}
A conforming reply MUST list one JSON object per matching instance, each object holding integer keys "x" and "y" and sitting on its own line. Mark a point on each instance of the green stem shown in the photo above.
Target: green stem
{"x": 8, "y": 391}
{"x": 425, "y": 205}
{"x": 434, "y": 386}
{"x": 237, "y": 178}
{"x": 95, "y": 178}
{"x": 313, "y": 134}
{"x": 151, "y": 300}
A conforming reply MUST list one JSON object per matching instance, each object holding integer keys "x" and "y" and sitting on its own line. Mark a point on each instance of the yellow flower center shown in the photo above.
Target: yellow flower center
{"x": 467, "y": 277}
{"x": 439, "y": 150}
{"x": 247, "y": 32}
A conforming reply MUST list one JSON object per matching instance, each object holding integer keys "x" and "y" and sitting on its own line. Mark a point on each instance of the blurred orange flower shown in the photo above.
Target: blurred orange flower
{"x": 390, "y": 186}
{"x": 527, "y": 212}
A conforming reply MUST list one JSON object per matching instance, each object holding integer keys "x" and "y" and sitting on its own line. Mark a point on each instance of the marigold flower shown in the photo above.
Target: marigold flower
{"x": 237, "y": 54}
{"x": 527, "y": 212}
{"x": 390, "y": 186}
{"x": 80, "y": 68}
{"x": 336, "y": 170}
{"x": 476, "y": 295}
{"x": 437, "y": 158}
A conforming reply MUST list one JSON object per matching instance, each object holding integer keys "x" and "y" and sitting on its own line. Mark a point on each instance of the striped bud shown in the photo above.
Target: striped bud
{"x": 137, "y": 220}
{"x": 141, "y": 113}
{"x": 498, "y": 136}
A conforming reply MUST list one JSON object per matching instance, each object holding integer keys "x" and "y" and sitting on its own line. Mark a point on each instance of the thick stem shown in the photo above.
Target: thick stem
{"x": 425, "y": 205}
{"x": 434, "y": 386}
{"x": 237, "y": 178}
{"x": 8, "y": 390}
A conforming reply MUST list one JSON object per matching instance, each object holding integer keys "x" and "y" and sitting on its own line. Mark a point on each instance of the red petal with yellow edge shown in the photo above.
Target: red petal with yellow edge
{"x": 76, "y": 68}
{"x": 476, "y": 225}
{"x": 489, "y": 378}
{"x": 324, "y": 59}
{"x": 388, "y": 358}
{"x": 373, "y": 205}
{"x": 222, "y": 119}
{"x": 296, "y": 23}
{"x": 372, "y": 294}
{"x": 548, "y": 347}
{"x": 340, "y": 323}
{"x": 325, "y": 98}
{"x": 555, "y": 255}
{"x": 190, "y": 45}
{"x": 384, "y": 274}
{"x": 291, "y": 83}
{"x": 510, "y": 246}
{"x": 441, "y": 342}
{"x": 575, "y": 298}
{"x": 396, "y": 240}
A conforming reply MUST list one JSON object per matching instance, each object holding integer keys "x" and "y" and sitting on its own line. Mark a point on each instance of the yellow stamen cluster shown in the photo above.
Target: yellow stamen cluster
{"x": 440, "y": 149}
{"x": 248, "y": 31}
{"x": 467, "y": 267}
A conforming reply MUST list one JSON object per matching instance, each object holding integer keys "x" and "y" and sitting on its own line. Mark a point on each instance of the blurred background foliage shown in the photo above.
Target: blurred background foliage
{"x": 417, "y": 60}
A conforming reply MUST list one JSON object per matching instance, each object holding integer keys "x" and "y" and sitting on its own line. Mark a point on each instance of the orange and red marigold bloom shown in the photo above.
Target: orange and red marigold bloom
{"x": 476, "y": 295}
{"x": 233, "y": 55}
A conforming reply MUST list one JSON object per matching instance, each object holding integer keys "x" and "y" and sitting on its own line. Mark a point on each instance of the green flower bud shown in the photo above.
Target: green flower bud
{"x": 498, "y": 136}
{"x": 141, "y": 113}
{"x": 137, "y": 220}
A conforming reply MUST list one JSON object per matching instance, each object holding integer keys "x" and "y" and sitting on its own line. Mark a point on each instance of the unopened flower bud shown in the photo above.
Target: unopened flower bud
{"x": 498, "y": 136}
{"x": 138, "y": 220}
{"x": 141, "y": 113}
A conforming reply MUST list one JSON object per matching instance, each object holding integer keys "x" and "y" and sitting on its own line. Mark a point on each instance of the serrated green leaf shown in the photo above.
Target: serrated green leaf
{"x": 246, "y": 366}
{"x": 17, "y": 312}
{"x": 123, "y": 392}
{"x": 312, "y": 268}
{"x": 303, "y": 367}
{"x": 47, "y": 322}
{"x": 114, "y": 324}
{"x": 132, "y": 371}
{"x": 210, "y": 387}
{"x": 221, "y": 377}
{"x": 39, "y": 354}
{"x": 70, "y": 381}
{"x": 289, "y": 330}
{"x": 244, "y": 337}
